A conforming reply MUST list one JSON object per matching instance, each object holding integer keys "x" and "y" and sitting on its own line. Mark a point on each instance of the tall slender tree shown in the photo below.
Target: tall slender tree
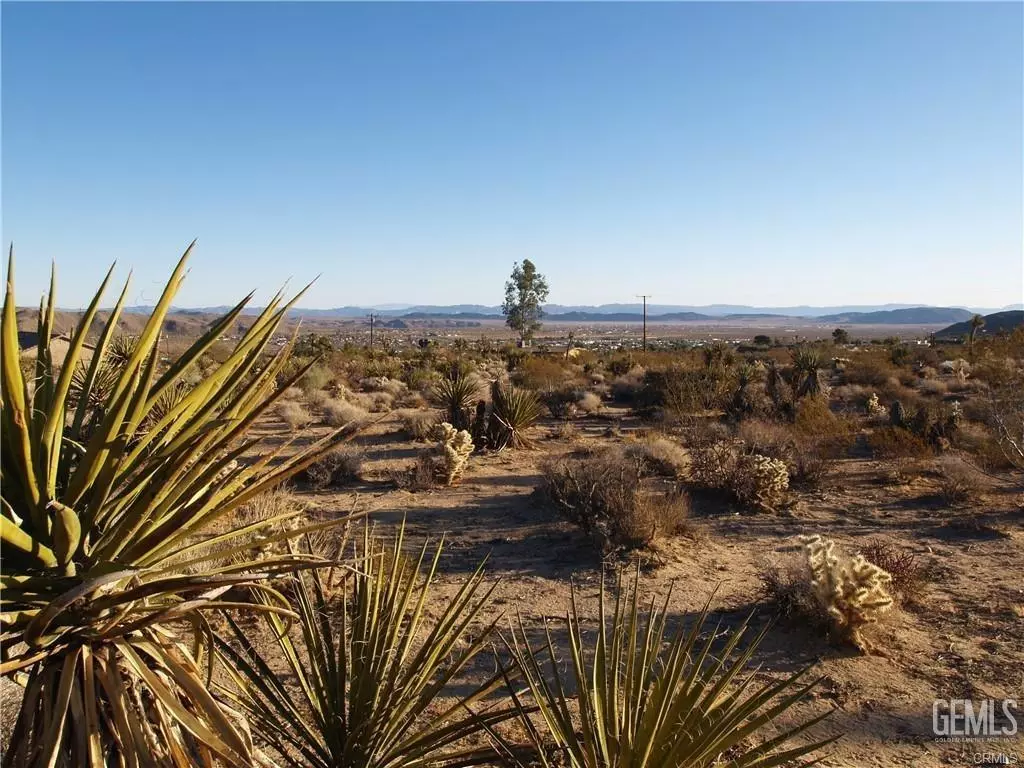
{"x": 977, "y": 323}
{"x": 525, "y": 294}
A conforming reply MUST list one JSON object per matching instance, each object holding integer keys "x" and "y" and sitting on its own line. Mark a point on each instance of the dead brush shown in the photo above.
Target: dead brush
{"x": 602, "y": 493}
{"x": 907, "y": 572}
{"x": 958, "y": 484}
{"x": 337, "y": 467}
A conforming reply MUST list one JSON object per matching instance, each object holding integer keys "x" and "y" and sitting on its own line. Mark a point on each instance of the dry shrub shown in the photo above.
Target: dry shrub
{"x": 815, "y": 419}
{"x": 292, "y": 393}
{"x": 337, "y": 467}
{"x": 421, "y": 475}
{"x": 561, "y": 403}
{"x": 981, "y": 443}
{"x": 419, "y": 425}
{"x": 853, "y": 395}
{"x": 293, "y": 414}
{"x": 896, "y": 442}
{"x": 338, "y": 413}
{"x": 712, "y": 457}
{"x": 932, "y": 387}
{"x": 959, "y": 484}
{"x": 602, "y": 494}
{"x": 768, "y": 438}
{"x": 316, "y": 398}
{"x": 788, "y": 588}
{"x": 566, "y": 431}
{"x": 659, "y": 454}
{"x": 811, "y": 464}
{"x": 907, "y": 572}
{"x": 540, "y": 373}
{"x": 867, "y": 372}
{"x": 315, "y": 378}
{"x": 411, "y": 399}
{"x": 589, "y": 402}
{"x": 275, "y": 502}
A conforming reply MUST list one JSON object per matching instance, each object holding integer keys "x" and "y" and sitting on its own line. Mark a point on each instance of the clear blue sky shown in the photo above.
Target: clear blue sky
{"x": 747, "y": 153}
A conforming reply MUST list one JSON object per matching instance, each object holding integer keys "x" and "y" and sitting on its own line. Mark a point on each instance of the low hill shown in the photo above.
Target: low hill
{"x": 994, "y": 323}
{"x": 909, "y": 316}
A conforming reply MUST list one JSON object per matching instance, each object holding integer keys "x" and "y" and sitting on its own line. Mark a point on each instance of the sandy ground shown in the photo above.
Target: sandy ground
{"x": 960, "y": 636}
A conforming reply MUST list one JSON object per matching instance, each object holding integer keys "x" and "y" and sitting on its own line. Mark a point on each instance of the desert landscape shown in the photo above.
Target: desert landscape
{"x": 857, "y": 500}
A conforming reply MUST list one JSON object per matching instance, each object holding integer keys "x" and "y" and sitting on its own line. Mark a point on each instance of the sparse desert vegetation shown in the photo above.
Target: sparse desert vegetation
{"x": 854, "y": 495}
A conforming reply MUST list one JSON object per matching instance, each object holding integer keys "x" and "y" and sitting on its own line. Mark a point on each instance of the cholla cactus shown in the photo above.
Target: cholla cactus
{"x": 875, "y": 408}
{"x": 898, "y": 415}
{"x": 455, "y": 447}
{"x": 760, "y": 481}
{"x": 853, "y": 591}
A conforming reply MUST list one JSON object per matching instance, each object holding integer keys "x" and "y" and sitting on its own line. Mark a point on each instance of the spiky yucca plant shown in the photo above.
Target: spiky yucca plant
{"x": 369, "y": 671}
{"x": 457, "y": 393}
{"x": 806, "y": 363}
{"x": 647, "y": 699}
{"x": 513, "y": 411}
{"x": 107, "y": 543}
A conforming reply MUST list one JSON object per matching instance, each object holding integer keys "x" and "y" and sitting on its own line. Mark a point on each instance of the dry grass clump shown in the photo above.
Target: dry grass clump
{"x": 293, "y": 414}
{"x": 712, "y": 456}
{"x": 906, "y": 570}
{"x": 932, "y": 387}
{"x": 602, "y": 493}
{"x": 589, "y": 402}
{"x": 540, "y": 373}
{"x": 316, "y": 378}
{"x": 959, "y": 484}
{"x": 337, "y": 467}
{"x": 419, "y": 425}
{"x": 316, "y": 398}
{"x": 338, "y": 413}
{"x": 421, "y": 475}
{"x": 659, "y": 454}
{"x": 264, "y": 506}
{"x": 895, "y": 443}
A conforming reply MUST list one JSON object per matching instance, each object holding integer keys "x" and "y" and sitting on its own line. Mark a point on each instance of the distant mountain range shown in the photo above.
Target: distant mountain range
{"x": 885, "y": 314}
{"x": 994, "y": 323}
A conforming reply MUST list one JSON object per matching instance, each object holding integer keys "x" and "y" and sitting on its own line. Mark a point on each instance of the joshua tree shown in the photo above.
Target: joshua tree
{"x": 806, "y": 363}
{"x": 525, "y": 294}
{"x": 977, "y": 323}
{"x": 840, "y": 336}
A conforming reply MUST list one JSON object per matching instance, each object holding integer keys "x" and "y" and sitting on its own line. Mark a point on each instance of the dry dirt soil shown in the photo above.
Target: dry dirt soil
{"x": 959, "y": 636}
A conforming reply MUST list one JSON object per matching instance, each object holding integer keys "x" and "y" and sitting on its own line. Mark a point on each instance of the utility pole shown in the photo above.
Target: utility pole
{"x": 371, "y": 332}
{"x": 645, "y": 297}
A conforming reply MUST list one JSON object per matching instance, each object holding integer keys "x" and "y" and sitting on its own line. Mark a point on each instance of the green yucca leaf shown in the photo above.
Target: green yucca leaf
{"x": 457, "y": 393}
{"x": 513, "y": 411}
{"x": 114, "y": 470}
{"x": 648, "y": 699}
{"x": 367, "y": 678}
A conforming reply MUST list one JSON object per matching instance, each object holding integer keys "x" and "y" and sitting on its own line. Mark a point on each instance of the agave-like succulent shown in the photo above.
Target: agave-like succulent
{"x": 369, "y": 681}
{"x": 513, "y": 411}
{"x": 806, "y": 363}
{"x": 647, "y": 699}
{"x": 107, "y": 547}
{"x": 457, "y": 393}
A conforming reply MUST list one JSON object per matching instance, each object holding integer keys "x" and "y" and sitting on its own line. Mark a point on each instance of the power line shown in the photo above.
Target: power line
{"x": 645, "y": 297}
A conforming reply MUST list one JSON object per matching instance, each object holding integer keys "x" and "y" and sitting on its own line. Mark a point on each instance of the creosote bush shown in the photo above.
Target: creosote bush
{"x": 294, "y": 415}
{"x": 337, "y": 467}
{"x": 602, "y": 493}
{"x": 338, "y": 413}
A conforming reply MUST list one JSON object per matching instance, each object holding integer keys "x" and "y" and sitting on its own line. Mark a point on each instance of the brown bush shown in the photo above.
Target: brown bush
{"x": 293, "y": 414}
{"x": 602, "y": 494}
{"x": 338, "y": 413}
{"x": 421, "y": 475}
{"x": 896, "y": 442}
{"x": 660, "y": 455}
{"x": 419, "y": 425}
{"x": 907, "y": 572}
{"x": 540, "y": 373}
{"x": 959, "y": 484}
{"x": 337, "y": 467}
